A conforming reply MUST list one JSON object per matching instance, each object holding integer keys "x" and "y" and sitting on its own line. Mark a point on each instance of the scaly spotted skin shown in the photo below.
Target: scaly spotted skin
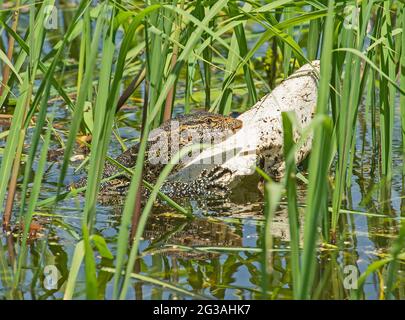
{"x": 194, "y": 128}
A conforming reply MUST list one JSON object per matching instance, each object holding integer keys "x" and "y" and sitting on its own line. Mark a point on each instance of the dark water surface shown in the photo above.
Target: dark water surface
{"x": 217, "y": 254}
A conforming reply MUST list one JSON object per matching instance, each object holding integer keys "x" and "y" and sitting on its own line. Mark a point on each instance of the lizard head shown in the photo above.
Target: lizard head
{"x": 206, "y": 121}
{"x": 196, "y": 126}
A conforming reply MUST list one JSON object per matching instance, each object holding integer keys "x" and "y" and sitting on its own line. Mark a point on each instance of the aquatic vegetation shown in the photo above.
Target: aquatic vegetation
{"x": 82, "y": 77}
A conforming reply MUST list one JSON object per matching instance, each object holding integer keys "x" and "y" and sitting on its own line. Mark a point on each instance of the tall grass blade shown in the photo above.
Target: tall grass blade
{"x": 318, "y": 167}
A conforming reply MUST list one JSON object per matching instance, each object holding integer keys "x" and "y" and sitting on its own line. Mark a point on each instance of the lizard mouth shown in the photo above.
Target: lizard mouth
{"x": 238, "y": 126}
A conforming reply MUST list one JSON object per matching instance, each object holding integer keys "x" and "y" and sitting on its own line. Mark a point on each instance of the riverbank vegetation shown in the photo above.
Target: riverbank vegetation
{"x": 222, "y": 56}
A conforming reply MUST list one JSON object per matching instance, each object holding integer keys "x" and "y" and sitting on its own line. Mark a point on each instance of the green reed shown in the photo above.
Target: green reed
{"x": 361, "y": 45}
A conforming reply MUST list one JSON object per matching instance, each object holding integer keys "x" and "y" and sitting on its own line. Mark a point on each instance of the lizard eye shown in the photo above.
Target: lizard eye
{"x": 209, "y": 121}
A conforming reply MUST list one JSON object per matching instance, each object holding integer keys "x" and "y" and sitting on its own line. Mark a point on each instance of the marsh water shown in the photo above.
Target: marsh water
{"x": 217, "y": 254}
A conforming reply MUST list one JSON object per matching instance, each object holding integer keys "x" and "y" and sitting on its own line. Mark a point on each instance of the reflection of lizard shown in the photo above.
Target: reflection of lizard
{"x": 167, "y": 234}
{"x": 198, "y": 127}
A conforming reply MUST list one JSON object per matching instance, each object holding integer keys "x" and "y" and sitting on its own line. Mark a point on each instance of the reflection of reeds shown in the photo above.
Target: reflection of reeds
{"x": 213, "y": 47}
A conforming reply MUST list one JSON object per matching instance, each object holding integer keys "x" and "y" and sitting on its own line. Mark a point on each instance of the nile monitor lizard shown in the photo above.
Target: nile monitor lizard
{"x": 259, "y": 142}
{"x": 166, "y": 141}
